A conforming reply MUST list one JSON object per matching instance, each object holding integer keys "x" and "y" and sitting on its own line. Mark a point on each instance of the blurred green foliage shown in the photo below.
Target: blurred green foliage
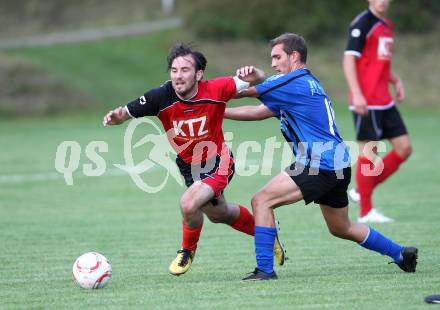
{"x": 315, "y": 19}
{"x": 30, "y": 17}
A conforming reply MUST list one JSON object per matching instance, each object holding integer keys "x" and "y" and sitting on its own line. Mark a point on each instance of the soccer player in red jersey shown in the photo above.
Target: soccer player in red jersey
{"x": 367, "y": 68}
{"x": 191, "y": 111}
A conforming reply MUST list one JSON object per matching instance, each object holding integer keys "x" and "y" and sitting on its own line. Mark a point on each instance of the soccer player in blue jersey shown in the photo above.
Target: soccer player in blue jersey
{"x": 321, "y": 172}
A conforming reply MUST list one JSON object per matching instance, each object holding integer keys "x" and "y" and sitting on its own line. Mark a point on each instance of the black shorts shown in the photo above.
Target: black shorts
{"x": 220, "y": 173}
{"x": 379, "y": 124}
{"x": 321, "y": 186}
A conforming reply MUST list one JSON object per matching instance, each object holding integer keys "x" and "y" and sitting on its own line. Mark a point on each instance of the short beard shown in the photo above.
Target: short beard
{"x": 188, "y": 91}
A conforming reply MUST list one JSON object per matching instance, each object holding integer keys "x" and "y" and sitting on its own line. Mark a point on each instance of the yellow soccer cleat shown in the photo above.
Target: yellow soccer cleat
{"x": 278, "y": 252}
{"x": 182, "y": 262}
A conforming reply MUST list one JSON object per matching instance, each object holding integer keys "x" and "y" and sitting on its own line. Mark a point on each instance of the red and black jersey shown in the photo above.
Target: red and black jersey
{"x": 193, "y": 126}
{"x": 371, "y": 41}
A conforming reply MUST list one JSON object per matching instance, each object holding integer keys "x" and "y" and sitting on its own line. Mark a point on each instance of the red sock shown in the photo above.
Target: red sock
{"x": 365, "y": 186}
{"x": 391, "y": 163}
{"x": 190, "y": 236}
{"x": 244, "y": 222}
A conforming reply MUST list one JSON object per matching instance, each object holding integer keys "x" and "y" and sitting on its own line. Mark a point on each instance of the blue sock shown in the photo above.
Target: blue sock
{"x": 264, "y": 241}
{"x": 377, "y": 242}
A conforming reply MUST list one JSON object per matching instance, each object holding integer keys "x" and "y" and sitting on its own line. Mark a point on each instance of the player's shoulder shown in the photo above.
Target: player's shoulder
{"x": 360, "y": 18}
{"x": 278, "y": 80}
{"x": 219, "y": 89}
{"x": 388, "y": 22}
{"x": 269, "y": 83}
{"x": 166, "y": 86}
{"x": 162, "y": 95}
{"x": 217, "y": 82}
{"x": 274, "y": 77}
{"x": 164, "y": 89}
{"x": 275, "y": 82}
{"x": 363, "y": 20}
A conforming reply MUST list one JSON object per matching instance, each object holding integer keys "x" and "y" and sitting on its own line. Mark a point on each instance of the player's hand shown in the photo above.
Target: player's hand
{"x": 251, "y": 74}
{"x": 399, "y": 89}
{"x": 360, "y": 104}
{"x": 115, "y": 117}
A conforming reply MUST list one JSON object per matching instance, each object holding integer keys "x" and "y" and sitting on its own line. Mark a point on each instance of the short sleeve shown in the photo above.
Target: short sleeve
{"x": 356, "y": 37}
{"x": 148, "y": 104}
{"x": 266, "y": 97}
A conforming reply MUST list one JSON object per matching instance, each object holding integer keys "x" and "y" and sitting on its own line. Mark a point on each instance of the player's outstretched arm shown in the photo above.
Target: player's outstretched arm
{"x": 116, "y": 117}
{"x": 249, "y": 113}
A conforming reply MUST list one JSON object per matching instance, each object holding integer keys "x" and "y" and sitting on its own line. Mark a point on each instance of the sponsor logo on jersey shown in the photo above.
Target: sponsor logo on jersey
{"x": 195, "y": 127}
{"x": 385, "y": 48}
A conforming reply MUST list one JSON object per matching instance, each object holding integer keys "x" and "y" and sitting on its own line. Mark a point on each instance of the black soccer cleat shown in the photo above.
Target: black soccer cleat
{"x": 409, "y": 259}
{"x": 432, "y": 299}
{"x": 259, "y": 275}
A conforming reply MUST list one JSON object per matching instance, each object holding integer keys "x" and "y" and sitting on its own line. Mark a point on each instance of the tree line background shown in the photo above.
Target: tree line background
{"x": 32, "y": 84}
{"x": 252, "y": 19}
{"x": 314, "y": 19}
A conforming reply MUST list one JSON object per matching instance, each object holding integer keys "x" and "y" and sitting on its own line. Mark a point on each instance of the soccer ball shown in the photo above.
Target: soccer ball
{"x": 92, "y": 270}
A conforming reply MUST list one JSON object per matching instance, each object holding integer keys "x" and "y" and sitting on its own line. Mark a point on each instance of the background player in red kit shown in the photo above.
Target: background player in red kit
{"x": 191, "y": 111}
{"x": 367, "y": 67}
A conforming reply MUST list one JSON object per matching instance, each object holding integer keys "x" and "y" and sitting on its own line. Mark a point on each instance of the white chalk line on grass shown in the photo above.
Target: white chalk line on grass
{"x": 50, "y": 176}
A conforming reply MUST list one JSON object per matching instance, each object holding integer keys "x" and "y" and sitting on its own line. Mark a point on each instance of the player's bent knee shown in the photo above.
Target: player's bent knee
{"x": 257, "y": 201}
{"x": 406, "y": 151}
{"x": 187, "y": 206}
{"x": 260, "y": 202}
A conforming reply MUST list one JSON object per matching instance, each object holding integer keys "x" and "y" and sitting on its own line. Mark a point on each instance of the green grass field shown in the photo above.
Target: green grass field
{"x": 45, "y": 224}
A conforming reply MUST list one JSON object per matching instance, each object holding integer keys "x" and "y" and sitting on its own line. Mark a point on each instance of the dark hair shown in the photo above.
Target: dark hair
{"x": 292, "y": 42}
{"x": 182, "y": 49}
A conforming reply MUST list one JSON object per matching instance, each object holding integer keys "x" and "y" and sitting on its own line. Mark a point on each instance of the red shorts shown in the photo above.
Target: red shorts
{"x": 216, "y": 172}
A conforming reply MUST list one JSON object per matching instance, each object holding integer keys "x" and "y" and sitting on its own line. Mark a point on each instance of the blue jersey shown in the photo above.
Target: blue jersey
{"x": 307, "y": 119}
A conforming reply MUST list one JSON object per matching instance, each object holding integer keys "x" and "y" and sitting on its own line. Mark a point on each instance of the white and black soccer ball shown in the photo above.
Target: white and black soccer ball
{"x": 92, "y": 270}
